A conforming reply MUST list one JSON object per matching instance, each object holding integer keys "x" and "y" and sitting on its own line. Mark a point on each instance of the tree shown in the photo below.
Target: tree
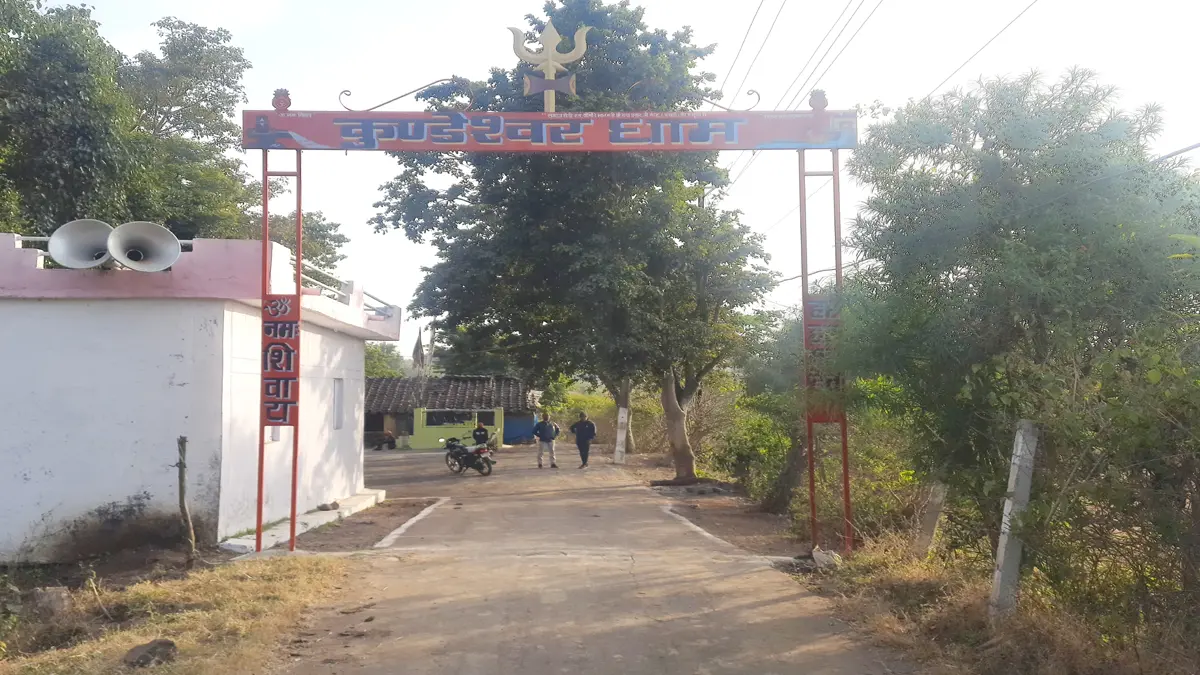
{"x": 63, "y": 121}
{"x": 561, "y": 257}
{"x": 712, "y": 267}
{"x": 193, "y": 89}
{"x": 1014, "y": 231}
{"x": 460, "y": 351}
{"x": 86, "y": 132}
{"x": 773, "y": 390}
{"x": 383, "y": 359}
{"x": 192, "y": 188}
{"x": 322, "y": 237}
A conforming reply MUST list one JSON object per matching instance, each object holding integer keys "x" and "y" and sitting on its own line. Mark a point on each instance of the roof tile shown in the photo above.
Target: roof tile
{"x": 452, "y": 392}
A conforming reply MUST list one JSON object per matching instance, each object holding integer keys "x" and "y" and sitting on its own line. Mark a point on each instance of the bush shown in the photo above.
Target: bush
{"x": 752, "y": 450}
{"x": 938, "y": 610}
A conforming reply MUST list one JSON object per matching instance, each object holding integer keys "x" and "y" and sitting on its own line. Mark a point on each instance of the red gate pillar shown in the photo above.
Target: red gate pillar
{"x": 820, "y": 315}
{"x": 279, "y": 388}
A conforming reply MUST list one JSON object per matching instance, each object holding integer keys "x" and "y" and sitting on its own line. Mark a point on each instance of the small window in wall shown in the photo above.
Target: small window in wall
{"x": 488, "y": 417}
{"x": 446, "y": 418}
{"x": 339, "y": 400}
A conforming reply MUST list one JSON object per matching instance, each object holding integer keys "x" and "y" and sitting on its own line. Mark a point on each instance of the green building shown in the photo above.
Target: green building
{"x": 424, "y": 409}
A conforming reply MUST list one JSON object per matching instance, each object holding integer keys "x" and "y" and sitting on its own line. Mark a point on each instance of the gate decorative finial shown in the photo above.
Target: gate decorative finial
{"x": 550, "y": 61}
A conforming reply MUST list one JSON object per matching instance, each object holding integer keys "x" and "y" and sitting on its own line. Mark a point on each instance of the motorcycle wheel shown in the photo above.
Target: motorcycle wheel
{"x": 484, "y": 467}
{"x": 452, "y": 463}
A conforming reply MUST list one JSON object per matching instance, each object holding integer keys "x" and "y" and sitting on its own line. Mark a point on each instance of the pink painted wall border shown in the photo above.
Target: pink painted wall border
{"x": 214, "y": 269}
{"x": 220, "y": 269}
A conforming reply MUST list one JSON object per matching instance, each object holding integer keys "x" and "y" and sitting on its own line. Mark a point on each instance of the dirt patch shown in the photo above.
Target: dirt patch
{"x": 115, "y": 570}
{"x": 362, "y": 530}
{"x": 739, "y": 522}
{"x": 648, "y": 467}
{"x": 720, "y": 511}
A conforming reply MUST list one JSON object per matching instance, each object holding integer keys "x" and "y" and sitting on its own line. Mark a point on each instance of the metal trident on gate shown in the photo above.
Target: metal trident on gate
{"x": 550, "y": 61}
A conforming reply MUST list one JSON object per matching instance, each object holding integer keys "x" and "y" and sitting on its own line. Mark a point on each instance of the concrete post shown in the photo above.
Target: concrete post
{"x": 929, "y": 520}
{"x": 622, "y": 432}
{"x": 1008, "y": 553}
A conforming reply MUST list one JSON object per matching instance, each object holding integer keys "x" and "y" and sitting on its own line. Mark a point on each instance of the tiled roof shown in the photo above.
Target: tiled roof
{"x": 451, "y": 392}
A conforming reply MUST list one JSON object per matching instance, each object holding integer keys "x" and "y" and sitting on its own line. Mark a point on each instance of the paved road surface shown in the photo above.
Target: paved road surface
{"x": 530, "y": 572}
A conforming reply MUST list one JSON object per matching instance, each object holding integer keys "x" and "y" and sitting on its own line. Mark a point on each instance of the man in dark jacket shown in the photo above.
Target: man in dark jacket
{"x": 546, "y": 431}
{"x": 480, "y": 434}
{"x": 584, "y": 431}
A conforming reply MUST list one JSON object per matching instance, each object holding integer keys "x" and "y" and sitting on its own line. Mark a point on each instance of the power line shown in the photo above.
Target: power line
{"x": 814, "y": 53}
{"x": 852, "y": 36}
{"x": 779, "y": 304}
{"x": 797, "y": 207}
{"x": 985, "y": 46}
{"x": 753, "y": 61}
{"x": 856, "y": 263}
{"x": 744, "y": 168}
{"x": 828, "y": 49}
{"x": 796, "y": 79}
{"x": 740, "y": 48}
{"x": 754, "y": 155}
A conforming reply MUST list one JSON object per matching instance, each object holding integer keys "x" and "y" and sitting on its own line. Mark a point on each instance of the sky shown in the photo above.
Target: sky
{"x": 378, "y": 49}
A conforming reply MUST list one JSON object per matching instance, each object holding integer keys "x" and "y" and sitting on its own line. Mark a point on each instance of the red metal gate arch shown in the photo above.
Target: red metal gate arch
{"x": 537, "y": 132}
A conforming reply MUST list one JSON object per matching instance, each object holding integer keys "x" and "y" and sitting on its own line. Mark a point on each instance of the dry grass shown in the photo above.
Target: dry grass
{"x": 938, "y": 614}
{"x": 225, "y": 620}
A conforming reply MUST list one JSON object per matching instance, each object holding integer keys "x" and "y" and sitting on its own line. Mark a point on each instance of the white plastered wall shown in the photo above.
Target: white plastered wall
{"x": 330, "y": 458}
{"x": 93, "y": 395}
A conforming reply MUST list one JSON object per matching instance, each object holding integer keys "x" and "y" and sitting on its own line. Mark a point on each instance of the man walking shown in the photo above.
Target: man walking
{"x": 546, "y": 431}
{"x": 585, "y": 431}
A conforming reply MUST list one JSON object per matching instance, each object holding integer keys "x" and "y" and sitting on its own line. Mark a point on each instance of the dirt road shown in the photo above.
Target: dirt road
{"x": 530, "y": 572}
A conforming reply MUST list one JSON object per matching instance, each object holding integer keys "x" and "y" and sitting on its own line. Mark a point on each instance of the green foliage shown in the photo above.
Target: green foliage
{"x": 465, "y": 350}
{"x": 1016, "y": 219}
{"x": 383, "y": 359}
{"x": 190, "y": 90}
{"x": 555, "y": 395}
{"x": 10, "y": 612}
{"x": 193, "y": 189}
{"x": 1113, "y": 528}
{"x": 776, "y": 367}
{"x": 87, "y": 132}
{"x": 885, "y": 489}
{"x": 598, "y": 406}
{"x": 322, "y": 237}
{"x": 1026, "y": 263}
{"x": 754, "y": 448}
{"x": 63, "y": 120}
{"x": 545, "y": 252}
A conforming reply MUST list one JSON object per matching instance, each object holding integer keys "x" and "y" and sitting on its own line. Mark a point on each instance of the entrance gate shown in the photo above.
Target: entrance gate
{"x": 549, "y": 131}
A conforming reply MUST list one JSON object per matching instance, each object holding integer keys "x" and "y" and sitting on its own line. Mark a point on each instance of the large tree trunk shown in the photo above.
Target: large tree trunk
{"x": 779, "y": 499}
{"x": 622, "y": 395}
{"x": 681, "y": 447}
{"x": 930, "y": 518}
{"x": 630, "y": 446}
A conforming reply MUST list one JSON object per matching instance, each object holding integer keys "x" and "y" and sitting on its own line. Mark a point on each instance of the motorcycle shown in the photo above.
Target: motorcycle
{"x": 461, "y": 457}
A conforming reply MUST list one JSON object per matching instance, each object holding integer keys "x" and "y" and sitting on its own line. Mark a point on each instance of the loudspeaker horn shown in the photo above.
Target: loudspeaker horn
{"x": 143, "y": 246}
{"x": 81, "y": 244}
